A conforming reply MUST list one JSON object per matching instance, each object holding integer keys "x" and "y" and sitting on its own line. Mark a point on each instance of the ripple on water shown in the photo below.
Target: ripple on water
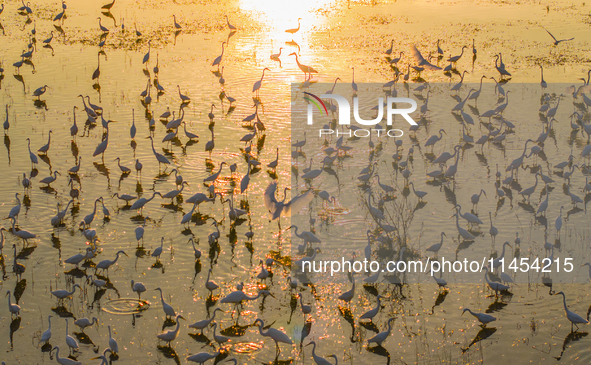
{"x": 126, "y": 306}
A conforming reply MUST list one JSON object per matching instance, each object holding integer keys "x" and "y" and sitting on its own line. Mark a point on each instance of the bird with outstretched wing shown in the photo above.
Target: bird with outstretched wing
{"x": 556, "y": 41}
{"x": 421, "y": 60}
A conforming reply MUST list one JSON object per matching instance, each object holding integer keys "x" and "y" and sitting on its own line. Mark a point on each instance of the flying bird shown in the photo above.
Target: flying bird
{"x": 556, "y": 41}
{"x": 422, "y": 61}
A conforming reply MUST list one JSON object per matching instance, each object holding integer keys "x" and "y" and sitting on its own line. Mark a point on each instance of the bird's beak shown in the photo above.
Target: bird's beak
{"x": 125, "y": 254}
{"x": 308, "y": 344}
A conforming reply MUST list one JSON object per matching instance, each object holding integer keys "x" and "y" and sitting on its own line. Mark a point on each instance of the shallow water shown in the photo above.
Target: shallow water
{"x": 334, "y": 37}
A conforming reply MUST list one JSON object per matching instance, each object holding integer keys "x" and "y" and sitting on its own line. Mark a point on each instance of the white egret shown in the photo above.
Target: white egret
{"x": 529, "y": 191}
{"x": 102, "y": 147}
{"x": 85, "y": 322}
{"x": 125, "y": 197}
{"x": 218, "y": 59}
{"x": 174, "y": 193}
{"x": 78, "y": 258}
{"x": 574, "y": 318}
{"x": 373, "y": 312}
{"x": 168, "y": 310}
{"x": 71, "y": 341}
{"x": 74, "y": 170}
{"x": 138, "y": 287}
{"x": 498, "y": 261}
{"x": 237, "y": 297}
{"x": 158, "y": 251}
{"x": 32, "y": 156}
{"x": 40, "y": 91}
{"x": 349, "y": 294}
{"x": 98, "y": 283}
{"x": 445, "y": 156}
{"x": 90, "y": 217}
{"x": 440, "y": 282}
{"x": 171, "y": 335}
{"x": 277, "y": 208}
{"x": 161, "y": 159}
{"x": 574, "y": 198}
{"x": 558, "y": 221}
{"x": 234, "y": 213}
{"x": 141, "y": 202}
{"x": 557, "y": 41}
{"x": 195, "y": 250}
{"x": 257, "y": 85}
{"x": 264, "y": 273}
{"x": 214, "y": 177}
{"x": 471, "y": 218}
{"x": 436, "y": 247}
{"x": 21, "y": 233}
{"x": 63, "y": 293}
{"x": 201, "y": 325}
{"x": 209, "y": 284}
{"x": 317, "y": 359}
{"x": 307, "y": 236}
{"x": 306, "y": 309}
{"x": 476, "y": 197}
{"x": 230, "y": 26}
{"x": 481, "y": 317}
{"x": 189, "y": 134}
{"x": 418, "y": 193}
{"x": 382, "y": 336}
{"x": 113, "y": 343}
{"x": 209, "y": 146}
{"x": 51, "y": 178}
{"x": 202, "y": 357}
{"x": 516, "y": 163}
{"x": 64, "y": 360}
{"x": 464, "y": 233}
{"x": 176, "y": 25}
{"x": 124, "y": 169}
{"x": 14, "y": 309}
{"x": 543, "y": 205}
{"x": 106, "y": 264}
{"x": 435, "y": 138}
{"x": 307, "y": 70}
{"x": 46, "y": 336}
{"x": 275, "y": 334}
{"x": 147, "y": 55}
{"x": 497, "y": 287}
{"x": 218, "y": 338}
{"x": 14, "y": 212}
{"x": 139, "y": 231}
{"x": 45, "y": 148}
{"x": 493, "y": 230}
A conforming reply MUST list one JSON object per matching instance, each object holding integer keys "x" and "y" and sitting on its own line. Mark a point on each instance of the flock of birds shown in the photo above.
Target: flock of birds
{"x": 384, "y": 233}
